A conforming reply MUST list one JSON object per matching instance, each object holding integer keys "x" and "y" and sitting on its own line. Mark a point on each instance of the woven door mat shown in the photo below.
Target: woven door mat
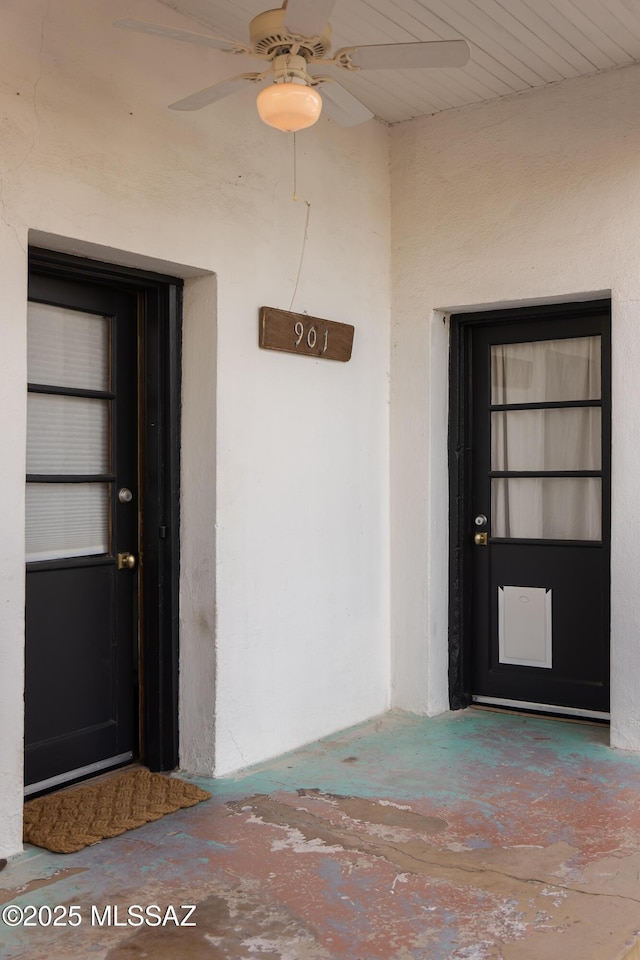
{"x": 72, "y": 819}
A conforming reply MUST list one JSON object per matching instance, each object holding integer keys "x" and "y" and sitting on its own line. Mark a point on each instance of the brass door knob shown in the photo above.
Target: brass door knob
{"x": 126, "y": 561}
{"x": 481, "y": 539}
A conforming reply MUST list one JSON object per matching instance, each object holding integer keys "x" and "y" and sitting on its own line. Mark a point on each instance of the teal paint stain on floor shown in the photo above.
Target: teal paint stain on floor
{"x": 440, "y": 756}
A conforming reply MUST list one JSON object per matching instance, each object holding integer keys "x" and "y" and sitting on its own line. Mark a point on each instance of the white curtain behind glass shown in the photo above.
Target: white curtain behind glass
{"x": 548, "y": 439}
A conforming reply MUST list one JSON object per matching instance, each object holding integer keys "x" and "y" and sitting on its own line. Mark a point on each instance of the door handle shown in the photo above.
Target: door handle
{"x": 126, "y": 561}
{"x": 481, "y": 539}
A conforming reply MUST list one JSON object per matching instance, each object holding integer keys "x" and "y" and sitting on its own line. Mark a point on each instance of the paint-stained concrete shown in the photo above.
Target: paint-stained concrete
{"x": 471, "y": 836}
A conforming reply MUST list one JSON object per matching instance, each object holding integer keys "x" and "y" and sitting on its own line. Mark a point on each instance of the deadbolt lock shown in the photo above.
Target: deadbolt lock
{"x": 481, "y": 539}
{"x": 126, "y": 561}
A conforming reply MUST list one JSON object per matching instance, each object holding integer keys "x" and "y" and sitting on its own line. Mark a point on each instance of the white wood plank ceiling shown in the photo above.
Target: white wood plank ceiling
{"x": 515, "y": 44}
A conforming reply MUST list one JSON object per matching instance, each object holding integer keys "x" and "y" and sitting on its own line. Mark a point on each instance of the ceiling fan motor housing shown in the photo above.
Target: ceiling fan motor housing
{"x": 269, "y": 37}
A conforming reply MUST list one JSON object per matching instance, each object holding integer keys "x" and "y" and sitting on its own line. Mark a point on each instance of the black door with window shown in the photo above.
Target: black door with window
{"x": 82, "y": 529}
{"x": 530, "y": 466}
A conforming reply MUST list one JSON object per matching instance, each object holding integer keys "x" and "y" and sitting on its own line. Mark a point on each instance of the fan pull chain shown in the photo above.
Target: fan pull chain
{"x": 306, "y": 221}
{"x": 304, "y": 245}
{"x": 295, "y": 169}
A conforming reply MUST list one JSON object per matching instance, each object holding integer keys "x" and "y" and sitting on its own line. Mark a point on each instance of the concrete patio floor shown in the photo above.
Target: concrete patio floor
{"x": 470, "y": 836}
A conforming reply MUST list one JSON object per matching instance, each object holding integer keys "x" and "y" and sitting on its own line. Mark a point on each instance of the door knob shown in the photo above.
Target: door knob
{"x": 480, "y": 539}
{"x": 126, "y": 561}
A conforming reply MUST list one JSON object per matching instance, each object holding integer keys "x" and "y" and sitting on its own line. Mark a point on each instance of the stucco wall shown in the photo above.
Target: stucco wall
{"x": 284, "y": 592}
{"x": 532, "y": 198}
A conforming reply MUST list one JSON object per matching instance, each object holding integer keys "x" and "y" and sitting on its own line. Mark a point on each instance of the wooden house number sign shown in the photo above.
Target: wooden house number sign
{"x": 310, "y": 336}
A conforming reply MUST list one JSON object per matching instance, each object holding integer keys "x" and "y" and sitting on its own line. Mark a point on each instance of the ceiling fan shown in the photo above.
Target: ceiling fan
{"x": 295, "y": 40}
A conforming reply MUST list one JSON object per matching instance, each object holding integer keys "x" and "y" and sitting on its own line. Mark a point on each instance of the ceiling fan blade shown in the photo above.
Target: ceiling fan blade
{"x": 402, "y": 56}
{"x": 218, "y": 91}
{"x": 342, "y": 107}
{"x": 206, "y": 40}
{"x": 307, "y": 18}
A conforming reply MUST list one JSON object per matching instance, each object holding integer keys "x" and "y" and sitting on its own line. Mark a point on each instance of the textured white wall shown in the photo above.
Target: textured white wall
{"x": 284, "y": 591}
{"x": 532, "y": 198}
{"x": 13, "y": 373}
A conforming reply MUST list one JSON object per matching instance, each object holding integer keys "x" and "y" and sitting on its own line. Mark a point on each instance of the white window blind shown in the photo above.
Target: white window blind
{"x": 67, "y": 435}
{"x": 67, "y": 520}
{"x": 67, "y": 348}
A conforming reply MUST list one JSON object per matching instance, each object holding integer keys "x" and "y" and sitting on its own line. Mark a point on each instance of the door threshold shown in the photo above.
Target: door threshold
{"x": 552, "y": 709}
{"x": 81, "y": 773}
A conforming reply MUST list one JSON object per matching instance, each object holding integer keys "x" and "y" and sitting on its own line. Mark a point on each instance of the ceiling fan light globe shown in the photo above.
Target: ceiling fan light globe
{"x": 289, "y": 106}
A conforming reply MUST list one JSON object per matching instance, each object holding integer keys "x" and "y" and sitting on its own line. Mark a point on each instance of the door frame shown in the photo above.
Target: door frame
{"x": 460, "y": 475}
{"x": 160, "y": 313}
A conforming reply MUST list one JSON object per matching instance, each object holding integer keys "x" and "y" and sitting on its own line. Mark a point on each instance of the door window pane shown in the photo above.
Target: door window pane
{"x": 555, "y": 439}
{"x": 547, "y": 370}
{"x": 67, "y": 348}
{"x": 67, "y": 434}
{"x": 67, "y": 520}
{"x": 548, "y": 508}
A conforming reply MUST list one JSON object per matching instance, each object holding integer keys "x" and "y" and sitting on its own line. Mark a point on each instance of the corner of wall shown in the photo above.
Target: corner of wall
{"x": 198, "y": 612}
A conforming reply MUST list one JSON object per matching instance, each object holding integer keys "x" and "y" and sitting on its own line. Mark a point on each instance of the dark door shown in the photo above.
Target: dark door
{"x": 82, "y": 529}
{"x": 537, "y": 514}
